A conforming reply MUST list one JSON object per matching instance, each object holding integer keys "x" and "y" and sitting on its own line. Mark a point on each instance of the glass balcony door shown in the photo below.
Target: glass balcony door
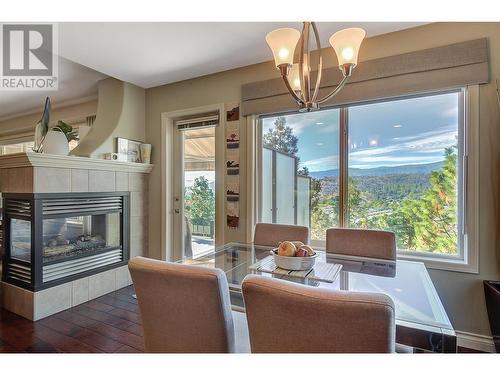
{"x": 195, "y": 193}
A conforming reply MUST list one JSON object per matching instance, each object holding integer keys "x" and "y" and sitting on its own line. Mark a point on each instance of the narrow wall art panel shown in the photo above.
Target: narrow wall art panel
{"x": 232, "y": 133}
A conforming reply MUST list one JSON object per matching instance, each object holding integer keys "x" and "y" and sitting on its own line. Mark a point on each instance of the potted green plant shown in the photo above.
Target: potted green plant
{"x": 492, "y": 293}
{"x": 58, "y": 138}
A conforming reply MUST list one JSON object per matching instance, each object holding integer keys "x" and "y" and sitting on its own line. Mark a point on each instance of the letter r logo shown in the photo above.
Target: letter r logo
{"x": 27, "y": 50}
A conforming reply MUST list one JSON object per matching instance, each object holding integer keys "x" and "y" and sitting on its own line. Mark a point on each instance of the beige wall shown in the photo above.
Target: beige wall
{"x": 461, "y": 293}
{"x": 26, "y": 123}
{"x": 120, "y": 113}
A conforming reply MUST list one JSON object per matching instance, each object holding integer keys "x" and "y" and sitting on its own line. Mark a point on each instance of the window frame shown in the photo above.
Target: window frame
{"x": 467, "y": 259}
{"x": 23, "y": 143}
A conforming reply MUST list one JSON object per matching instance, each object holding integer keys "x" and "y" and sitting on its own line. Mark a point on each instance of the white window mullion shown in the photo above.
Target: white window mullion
{"x": 344, "y": 167}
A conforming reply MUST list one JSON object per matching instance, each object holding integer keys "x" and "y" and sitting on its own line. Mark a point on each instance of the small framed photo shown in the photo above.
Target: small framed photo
{"x": 129, "y": 149}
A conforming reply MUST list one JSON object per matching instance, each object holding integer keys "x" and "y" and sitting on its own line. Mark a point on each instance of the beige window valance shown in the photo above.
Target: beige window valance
{"x": 440, "y": 68}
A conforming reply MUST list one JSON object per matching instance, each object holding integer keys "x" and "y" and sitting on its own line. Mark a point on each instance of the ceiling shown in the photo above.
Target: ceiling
{"x": 153, "y": 54}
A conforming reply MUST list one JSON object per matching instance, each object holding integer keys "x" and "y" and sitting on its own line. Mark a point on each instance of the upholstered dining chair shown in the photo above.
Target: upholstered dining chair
{"x": 286, "y": 317}
{"x": 361, "y": 242}
{"x": 186, "y": 309}
{"x": 271, "y": 234}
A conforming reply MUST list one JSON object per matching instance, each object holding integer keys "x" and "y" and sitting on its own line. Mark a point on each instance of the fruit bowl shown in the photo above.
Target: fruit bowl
{"x": 294, "y": 263}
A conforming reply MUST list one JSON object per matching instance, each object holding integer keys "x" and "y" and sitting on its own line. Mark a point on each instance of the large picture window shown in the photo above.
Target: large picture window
{"x": 392, "y": 165}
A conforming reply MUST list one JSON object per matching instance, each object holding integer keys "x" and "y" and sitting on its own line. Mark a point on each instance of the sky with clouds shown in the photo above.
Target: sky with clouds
{"x": 409, "y": 131}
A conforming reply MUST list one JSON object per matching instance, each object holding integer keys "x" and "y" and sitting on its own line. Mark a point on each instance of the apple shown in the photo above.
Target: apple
{"x": 298, "y": 244}
{"x": 302, "y": 252}
{"x": 309, "y": 249}
{"x": 287, "y": 249}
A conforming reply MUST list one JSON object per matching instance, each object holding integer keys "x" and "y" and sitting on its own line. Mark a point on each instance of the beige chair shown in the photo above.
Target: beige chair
{"x": 361, "y": 242}
{"x": 285, "y": 317}
{"x": 271, "y": 234}
{"x": 186, "y": 309}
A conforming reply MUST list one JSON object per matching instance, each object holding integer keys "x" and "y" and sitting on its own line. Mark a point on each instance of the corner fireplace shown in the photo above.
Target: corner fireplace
{"x": 53, "y": 238}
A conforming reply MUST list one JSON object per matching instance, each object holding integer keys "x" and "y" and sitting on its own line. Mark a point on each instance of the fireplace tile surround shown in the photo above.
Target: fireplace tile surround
{"x": 35, "y": 173}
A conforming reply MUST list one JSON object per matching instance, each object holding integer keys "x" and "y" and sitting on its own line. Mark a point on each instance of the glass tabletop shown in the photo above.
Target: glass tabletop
{"x": 408, "y": 283}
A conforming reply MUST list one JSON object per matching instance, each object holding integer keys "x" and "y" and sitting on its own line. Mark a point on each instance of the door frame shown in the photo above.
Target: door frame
{"x": 168, "y": 252}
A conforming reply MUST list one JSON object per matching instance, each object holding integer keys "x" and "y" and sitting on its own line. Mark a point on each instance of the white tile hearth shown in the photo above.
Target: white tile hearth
{"x": 122, "y": 277}
{"x": 52, "y": 300}
{"x": 102, "y": 283}
{"x": 38, "y": 305}
{"x": 80, "y": 291}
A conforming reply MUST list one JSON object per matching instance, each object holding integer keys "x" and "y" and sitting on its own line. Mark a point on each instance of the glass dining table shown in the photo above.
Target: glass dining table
{"x": 421, "y": 320}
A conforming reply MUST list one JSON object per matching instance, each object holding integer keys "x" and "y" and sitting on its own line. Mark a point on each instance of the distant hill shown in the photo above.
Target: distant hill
{"x": 383, "y": 171}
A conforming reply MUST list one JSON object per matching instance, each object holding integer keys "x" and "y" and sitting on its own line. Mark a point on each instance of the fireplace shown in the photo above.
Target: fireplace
{"x": 53, "y": 238}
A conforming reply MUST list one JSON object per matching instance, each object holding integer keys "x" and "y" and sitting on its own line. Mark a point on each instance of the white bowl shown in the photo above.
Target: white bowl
{"x": 294, "y": 263}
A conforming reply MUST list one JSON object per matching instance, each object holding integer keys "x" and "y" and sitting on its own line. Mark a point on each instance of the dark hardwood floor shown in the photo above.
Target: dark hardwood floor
{"x": 108, "y": 324}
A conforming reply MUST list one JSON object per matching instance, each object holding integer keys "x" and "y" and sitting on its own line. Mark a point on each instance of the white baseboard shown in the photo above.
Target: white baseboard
{"x": 476, "y": 342}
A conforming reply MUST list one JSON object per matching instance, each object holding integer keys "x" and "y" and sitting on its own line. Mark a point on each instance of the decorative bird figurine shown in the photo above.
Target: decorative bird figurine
{"x": 42, "y": 127}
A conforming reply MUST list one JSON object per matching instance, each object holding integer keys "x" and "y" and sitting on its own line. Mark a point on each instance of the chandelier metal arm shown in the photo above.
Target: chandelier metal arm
{"x": 304, "y": 71}
{"x": 320, "y": 62}
{"x": 335, "y": 91}
{"x": 284, "y": 70}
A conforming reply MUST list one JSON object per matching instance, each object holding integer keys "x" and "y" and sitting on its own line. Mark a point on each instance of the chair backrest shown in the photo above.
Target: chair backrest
{"x": 286, "y": 317}
{"x": 184, "y": 309}
{"x": 272, "y": 234}
{"x": 361, "y": 242}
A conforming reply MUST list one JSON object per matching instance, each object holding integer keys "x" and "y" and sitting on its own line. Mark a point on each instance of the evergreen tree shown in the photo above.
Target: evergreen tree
{"x": 428, "y": 223}
{"x": 436, "y": 227}
{"x": 304, "y": 171}
{"x": 281, "y": 138}
{"x": 201, "y": 202}
{"x": 323, "y": 217}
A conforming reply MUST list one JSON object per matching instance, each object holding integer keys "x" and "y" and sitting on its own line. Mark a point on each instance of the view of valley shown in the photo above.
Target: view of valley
{"x": 397, "y": 181}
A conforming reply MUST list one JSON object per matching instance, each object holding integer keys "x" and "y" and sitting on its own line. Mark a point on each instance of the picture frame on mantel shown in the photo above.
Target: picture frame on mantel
{"x": 129, "y": 149}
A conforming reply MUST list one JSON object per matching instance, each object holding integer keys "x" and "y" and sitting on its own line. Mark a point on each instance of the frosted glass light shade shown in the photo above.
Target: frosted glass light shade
{"x": 294, "y": 77}
{"x": 282, "y": 43}
{"x": 346, "y": 44}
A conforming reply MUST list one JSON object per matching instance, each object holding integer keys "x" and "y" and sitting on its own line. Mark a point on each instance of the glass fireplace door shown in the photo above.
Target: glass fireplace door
{"x": 72, "y": 237}
{"x": 53, "y": 238}
{"x": 20, "y": 244}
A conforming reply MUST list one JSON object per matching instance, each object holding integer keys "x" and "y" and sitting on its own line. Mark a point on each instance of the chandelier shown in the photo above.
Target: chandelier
{"x": 297, "y": 76}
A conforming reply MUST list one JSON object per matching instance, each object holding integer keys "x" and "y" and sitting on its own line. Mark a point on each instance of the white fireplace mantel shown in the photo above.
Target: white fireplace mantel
{"x": 33, "y": 159}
